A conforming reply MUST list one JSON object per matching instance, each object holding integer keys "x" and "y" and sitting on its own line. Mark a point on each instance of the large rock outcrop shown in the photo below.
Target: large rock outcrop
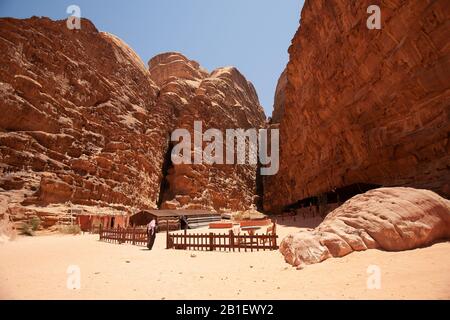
{"x": 85, "y": 123}
{"x": 391, "y": 219}
{"x": 365, "y": 106}
{"x": 173, "y": 66}
{"x": 222, "y": 99}
{"x": 79, "y": 110}
{"x": 280, "y": 98}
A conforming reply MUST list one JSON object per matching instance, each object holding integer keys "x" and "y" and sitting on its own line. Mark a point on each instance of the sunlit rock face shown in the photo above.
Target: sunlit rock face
{"x": 79, "y": 113}
{"x": 172, "y": 66}
{"x": 222, "y": 99}
{"x": 85, "y": 123}
{"x": 365, "y": 106}
{"x": 280, "y": 98}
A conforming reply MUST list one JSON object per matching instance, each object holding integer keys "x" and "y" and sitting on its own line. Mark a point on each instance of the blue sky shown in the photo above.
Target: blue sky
{"x": 253, "y": 35}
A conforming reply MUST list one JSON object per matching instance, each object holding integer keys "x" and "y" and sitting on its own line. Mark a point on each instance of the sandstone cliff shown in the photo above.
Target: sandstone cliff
{"x": 280, "y": 98}
{"x": 79, "y": 114}
{"x": 365, "y": 106}
{"x": 222, "y": 99}
{"x": 392, "y": 219}
{"x": 84, "y": 122}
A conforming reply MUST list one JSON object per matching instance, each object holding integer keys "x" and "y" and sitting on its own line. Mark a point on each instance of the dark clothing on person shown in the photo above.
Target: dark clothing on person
{"x": 184, "y": 223}
{"x": 151, "y": 241}
{"x": 151, "y": 234}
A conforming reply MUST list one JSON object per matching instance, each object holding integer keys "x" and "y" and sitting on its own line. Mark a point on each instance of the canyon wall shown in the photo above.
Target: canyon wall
{"x": 365, "y": 106}
{"x": 79, "y": 114}
{"x": 222, "y": 99}
{"x": 280, "y": 98}
{"x": 85, "y": 123}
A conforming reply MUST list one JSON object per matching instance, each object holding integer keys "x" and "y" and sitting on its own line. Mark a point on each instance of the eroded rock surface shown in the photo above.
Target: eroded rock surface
{"x": 222, "y": 99}
{"x": 280, "y": 98}
{"x": 86, "y": 124}
{"x": 365, "y": 106}
{"x": 390, "y": 219}
{"x": 79, "y": 109}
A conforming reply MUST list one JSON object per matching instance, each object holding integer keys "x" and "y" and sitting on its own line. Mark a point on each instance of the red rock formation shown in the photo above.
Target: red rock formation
{"x": 84, "y": 122}
{"x": 391, "y": 219}
{"x": 173, "y": 66}
{"x": 223, "y": 99}
{"x": 280, "y": 98}
{"x": 365, "y": 106}
{"x": 80, "y": 106}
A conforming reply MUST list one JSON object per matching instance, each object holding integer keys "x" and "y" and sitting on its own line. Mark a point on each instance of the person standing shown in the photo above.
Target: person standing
{"x": 184, "y": 223}
{"x": 151, "y": 234}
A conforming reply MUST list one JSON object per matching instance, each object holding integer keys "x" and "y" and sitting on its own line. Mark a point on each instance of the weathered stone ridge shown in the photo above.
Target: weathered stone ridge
{"x": 222, "y": 99}
{"x": 79, "y": 108}
{"x": 173, "y": 66}
{"x": 365, "y": 106}
{"x": 280, "y": 98}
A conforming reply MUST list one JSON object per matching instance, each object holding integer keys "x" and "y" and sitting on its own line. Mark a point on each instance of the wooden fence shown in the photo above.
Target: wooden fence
{"x": 195, "y": 241}
{"x": 135, "y": 236}
{"x": 221, "y": 242}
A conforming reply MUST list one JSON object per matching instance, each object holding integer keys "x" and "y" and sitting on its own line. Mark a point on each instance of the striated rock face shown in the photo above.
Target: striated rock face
{"x": 280, "y": 98}
{"x": 173, "y": 66}
{"x": 391, "y": 219}
{"x": 365, "y": 106}
{"x": 222, "y": 99}
{"x": 85, "y": 123}
{"x": 79, "y": 109}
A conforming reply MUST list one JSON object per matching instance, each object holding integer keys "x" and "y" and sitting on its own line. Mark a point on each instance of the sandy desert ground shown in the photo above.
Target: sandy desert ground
{"x": 35, "y": 268}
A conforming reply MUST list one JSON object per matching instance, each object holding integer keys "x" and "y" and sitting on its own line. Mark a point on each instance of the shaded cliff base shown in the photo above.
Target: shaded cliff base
{"x": 19, "y": 204}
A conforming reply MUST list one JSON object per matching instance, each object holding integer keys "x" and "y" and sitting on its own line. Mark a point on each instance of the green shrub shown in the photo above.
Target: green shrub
{"x": 35, "y": 223}
{"x": 27, "y": 229}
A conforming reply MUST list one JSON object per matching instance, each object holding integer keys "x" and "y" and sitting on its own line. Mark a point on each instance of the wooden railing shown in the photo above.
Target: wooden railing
{"x": 195, "y": 241}
{"x": 135, "y": 236}
{"x": 221, "y": 242}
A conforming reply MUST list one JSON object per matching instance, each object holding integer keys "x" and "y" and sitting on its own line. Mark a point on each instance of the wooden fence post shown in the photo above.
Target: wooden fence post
{"x": 231, "y": 240}
{"x": 167, "y": 235}
{"x": 211, "y": 241}
{"x": 274, "y": 232}
{"x": 195, "y": 241}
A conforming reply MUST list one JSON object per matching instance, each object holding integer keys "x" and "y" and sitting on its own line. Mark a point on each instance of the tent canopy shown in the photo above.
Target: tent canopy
{"x": 144, "y": 217}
